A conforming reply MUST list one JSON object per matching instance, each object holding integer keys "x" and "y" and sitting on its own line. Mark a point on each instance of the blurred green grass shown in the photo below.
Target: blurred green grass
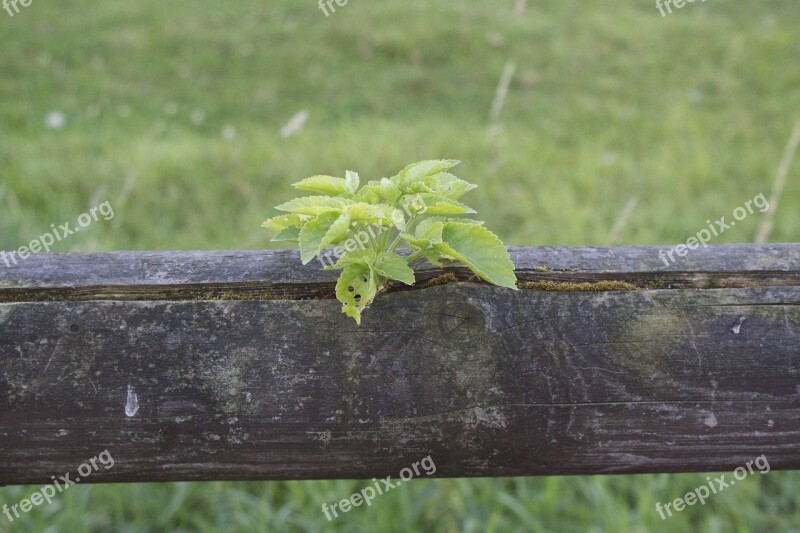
{"x": 174, "y": 112}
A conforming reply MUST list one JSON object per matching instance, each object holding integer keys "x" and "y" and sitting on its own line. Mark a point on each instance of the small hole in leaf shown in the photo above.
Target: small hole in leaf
{"x": 350, "y": 288}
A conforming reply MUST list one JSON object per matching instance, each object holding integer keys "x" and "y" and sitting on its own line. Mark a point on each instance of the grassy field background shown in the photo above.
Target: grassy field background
{"x": 173, "y": 111}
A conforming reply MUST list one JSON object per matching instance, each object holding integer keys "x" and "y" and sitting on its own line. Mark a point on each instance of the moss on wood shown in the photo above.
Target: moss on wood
{"x": 595, "y": 286}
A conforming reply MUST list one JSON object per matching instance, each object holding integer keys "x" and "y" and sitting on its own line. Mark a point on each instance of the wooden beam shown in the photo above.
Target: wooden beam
{"x": 243, "y": 367}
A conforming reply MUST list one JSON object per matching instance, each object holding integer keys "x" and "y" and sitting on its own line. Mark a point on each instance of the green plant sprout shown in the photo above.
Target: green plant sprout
{"x": 365, "y": 225}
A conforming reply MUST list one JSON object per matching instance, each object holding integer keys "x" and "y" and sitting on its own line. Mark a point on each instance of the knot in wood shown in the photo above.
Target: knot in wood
{"x": 461, "y": 321}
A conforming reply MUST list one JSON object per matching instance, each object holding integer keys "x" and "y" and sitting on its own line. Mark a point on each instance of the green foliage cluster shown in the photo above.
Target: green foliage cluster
{"x": 419, "y": 205}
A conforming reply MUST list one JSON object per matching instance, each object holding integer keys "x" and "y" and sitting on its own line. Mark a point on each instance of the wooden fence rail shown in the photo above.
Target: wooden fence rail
{"x": 239, "y": 365}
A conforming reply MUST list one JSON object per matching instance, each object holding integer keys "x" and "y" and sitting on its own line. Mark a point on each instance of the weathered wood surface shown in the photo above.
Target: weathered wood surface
{"x": 244, "y": 368}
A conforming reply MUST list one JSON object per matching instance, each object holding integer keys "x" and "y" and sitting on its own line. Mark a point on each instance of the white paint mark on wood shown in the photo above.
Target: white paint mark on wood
{"x": 490, "y": 417}
{"x": 132, "y": 403}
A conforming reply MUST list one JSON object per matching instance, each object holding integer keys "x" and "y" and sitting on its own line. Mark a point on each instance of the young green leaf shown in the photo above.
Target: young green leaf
{"x": 314, "y": 205}
{"x": 440, "y": 205}
{"x": 281, "y": 222}
{"x": 287, "y": 235}
{"x": 389, "y": 191}
{"x": 369, "y": 193}
{"x": 323, "y": 185}
{"x": 371, "y": 214}
{"x": 356, "y": 289}
{"x": 447, "y": 185}
{"x": 430, "y": 231}
{"x": 413, "y": 204}
{"x": 313, "y": 234}
{"x": 337, "y": 231}
{"x": 481, "y": 250}
{"x": 351, "y": 182}
{"x": 433, "y": 256}
{"x": 417, "y": 171}
{"x": 394, "y": 266}
{"x": 364, "y": 257}
{"x": 433, "y": 220}
{"x": 398, "y": 219}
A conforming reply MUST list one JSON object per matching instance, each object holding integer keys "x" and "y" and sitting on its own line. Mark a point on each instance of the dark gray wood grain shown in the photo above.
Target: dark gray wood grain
{"x": 244, "y": 368}
{"x": 768, "y": 264}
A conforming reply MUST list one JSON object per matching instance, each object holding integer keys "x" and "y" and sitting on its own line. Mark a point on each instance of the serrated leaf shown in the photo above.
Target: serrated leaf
{"x": 444, "y": 208}
{"x": 414, "y": 241}
{"x": 433, "y": 256}
{"x": 351, "y": 181}
{"x": 356, "y": 289}
{"x": 430, "y": 230}
{"x": 480, "y": 250}
{"x": 389, "y": 191}
{"x": 448, "y": 185}
{"x": 372, "y": 214}
{"x": 365, "y": 257}
{"x": 436, "y": 204}
{"x": 467, "y": 221}
{"x": 416, "y": 171}
{"x": 313, "y": 233}
{"x": 322, "y": 184}
{"x": 287, "y": 234}
{"x": 369, "y": 193}
{"x": 417, "y": 187}
{"x": 398, "y": 219}
{"x": 337, "y": 231}
{"x": 281, "y": 222}
{"x": 380, "y": 192}
{"x": 431, "y": 220}
{"x": 413, "y": 203}
{"x": 394, "y": 266}
{"x": 314, "y": 205}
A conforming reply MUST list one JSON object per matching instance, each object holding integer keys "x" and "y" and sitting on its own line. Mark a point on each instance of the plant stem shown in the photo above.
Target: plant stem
{"x": 385, "y": 238}
{"x": 399, "y": 235}
{"x": 413, "y": 256}
{"x": 371, "y": 239}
